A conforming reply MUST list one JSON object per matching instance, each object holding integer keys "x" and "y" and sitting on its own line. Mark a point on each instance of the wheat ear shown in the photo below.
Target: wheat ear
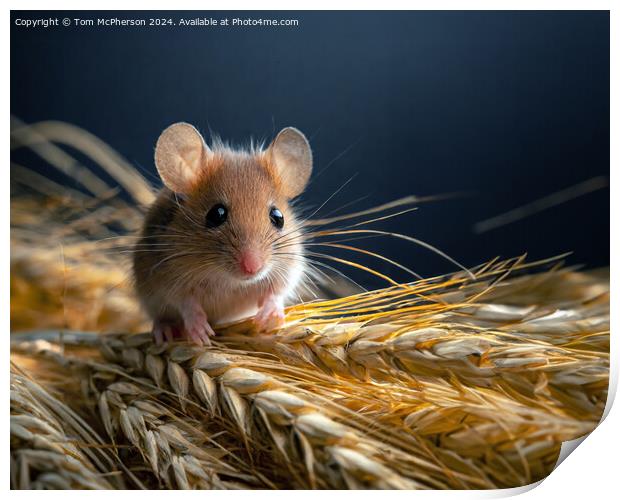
{"x": 51, "y": 447}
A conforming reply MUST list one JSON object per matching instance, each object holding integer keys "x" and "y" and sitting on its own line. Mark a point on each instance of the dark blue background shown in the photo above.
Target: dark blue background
{"x": 507, "y": 106}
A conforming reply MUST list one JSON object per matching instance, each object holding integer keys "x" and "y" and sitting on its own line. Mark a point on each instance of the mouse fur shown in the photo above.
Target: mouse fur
{"x": 190, "y": 274}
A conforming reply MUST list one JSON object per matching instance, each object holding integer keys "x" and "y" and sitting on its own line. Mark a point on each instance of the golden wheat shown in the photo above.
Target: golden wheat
{"x": 421, "y": 401}
{"x": 434, "y": 399}
{"x": 51, "y": 446}
{"x": 470, "y": 380}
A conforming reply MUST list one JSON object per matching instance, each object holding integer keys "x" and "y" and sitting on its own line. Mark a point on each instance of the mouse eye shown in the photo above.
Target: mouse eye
{"x": 216, "y": 216}
{"x": 276, "y": 217}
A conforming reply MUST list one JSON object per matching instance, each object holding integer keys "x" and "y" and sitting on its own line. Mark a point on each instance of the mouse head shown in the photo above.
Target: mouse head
{"x": 234, "y": 204}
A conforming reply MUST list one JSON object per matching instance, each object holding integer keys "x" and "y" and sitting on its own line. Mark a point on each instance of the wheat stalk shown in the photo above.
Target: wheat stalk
{"x": 482, "y": 343}
{"x": 454, "y": 381}
{"x": 173, "y": 446}
{"x": 264, "y": 407}
{"x": 242, "y": 386}
{"x": 434, "y": 399}
{"x": 51, "y": 447}
{"x": 174, "y": 450}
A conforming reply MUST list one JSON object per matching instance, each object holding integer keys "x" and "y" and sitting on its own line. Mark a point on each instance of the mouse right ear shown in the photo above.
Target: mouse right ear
{"x": 292, "y": 158}
{"x": 179, "y": 156}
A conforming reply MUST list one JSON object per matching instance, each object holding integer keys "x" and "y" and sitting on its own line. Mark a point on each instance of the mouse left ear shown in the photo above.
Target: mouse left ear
{"x": 179, "y": 157}
{"x": 291, "y": 157}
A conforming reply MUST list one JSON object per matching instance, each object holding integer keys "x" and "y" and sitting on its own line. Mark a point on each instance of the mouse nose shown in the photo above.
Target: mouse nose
{"x": 250, "y": 262}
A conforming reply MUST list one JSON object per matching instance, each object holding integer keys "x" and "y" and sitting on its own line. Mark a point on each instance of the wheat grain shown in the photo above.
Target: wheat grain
{"x": 50, "y": 446}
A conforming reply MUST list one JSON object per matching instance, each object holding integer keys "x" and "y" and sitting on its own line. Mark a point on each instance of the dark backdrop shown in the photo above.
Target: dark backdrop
{"x": 505, "y": 106}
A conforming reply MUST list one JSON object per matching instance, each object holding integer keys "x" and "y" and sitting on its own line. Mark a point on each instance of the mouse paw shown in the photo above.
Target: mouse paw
{"x": 197, "y": 328}
{"x": 165, "y": 331}
{"x": 271, "y": 315}
{"x": 199, "y": 333}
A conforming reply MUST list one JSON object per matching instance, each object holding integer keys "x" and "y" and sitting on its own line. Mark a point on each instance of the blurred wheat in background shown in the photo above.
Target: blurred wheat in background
{"x": 470, "y": 380}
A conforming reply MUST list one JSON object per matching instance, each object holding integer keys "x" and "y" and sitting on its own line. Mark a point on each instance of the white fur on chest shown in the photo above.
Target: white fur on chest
{"x": 224, "y": 303}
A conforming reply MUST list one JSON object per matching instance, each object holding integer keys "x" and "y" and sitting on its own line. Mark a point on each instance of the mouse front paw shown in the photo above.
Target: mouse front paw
{"x": 196, "y": 326}
{"x": 271, "y": 315}
{"x": 165, "y": 331}
{"x": 200, "y": 333}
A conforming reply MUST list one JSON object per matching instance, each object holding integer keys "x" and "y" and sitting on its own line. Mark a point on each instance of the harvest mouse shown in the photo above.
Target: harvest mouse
{"x": 221, "y": 241}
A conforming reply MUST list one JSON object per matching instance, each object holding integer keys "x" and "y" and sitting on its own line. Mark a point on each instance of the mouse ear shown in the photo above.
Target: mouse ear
{"x": 291, "y": 156}
{"x": 179, "y": 156}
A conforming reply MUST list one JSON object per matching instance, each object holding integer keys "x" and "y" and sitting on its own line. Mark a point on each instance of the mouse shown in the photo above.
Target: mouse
{"x": 221, "y": 242}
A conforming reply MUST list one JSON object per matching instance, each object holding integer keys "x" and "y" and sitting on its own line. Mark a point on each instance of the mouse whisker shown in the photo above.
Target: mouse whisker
{"x": 312, "y": 262}
{"x": 405, "y": 237}
{"x": 174, "y": 256}
{"x": 367, "y": 252}
{"x": 355, "y": 265}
